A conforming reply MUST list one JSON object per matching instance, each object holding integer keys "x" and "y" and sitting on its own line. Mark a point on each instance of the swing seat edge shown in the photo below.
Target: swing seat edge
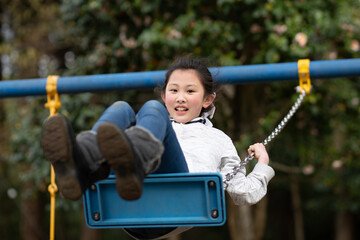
{"x": 168, "y": 200}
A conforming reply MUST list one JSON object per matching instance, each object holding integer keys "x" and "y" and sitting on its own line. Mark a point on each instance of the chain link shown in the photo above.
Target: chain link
{"x": 277, "y": 130}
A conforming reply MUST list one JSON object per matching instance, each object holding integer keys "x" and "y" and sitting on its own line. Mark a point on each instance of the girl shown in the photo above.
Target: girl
{"x": 151, "y": 142}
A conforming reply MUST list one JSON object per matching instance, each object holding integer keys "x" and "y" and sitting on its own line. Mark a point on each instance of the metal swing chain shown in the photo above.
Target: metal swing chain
{"x": 277, "y": 130}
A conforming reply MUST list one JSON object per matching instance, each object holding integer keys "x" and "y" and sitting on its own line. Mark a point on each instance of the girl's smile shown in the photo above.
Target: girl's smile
{"x": 184, "y": 95}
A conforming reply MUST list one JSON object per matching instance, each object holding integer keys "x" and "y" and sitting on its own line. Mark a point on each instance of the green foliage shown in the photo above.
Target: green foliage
{"x": 26, "y": 153}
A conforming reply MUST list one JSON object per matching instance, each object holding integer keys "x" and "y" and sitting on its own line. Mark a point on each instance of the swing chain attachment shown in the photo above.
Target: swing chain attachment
{"x": 277, "y": 130}
{"x": 53, "y": 104}
{"x": 304, "y": 75}
{"x": 303, "y": 89}
{"x": 53, "y": 99}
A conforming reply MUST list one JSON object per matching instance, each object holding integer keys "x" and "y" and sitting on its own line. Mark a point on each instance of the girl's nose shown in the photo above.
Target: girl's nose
{"x": 180, "y": 98}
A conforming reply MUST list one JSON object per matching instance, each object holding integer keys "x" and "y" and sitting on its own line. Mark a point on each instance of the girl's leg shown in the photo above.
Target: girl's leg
{"x": 78, "y": 161}
{"x": 154, "y": 117}
{"x": 132, "y": 152}
{"x": 137, "y": 151}
{"x": 119, "y": 113}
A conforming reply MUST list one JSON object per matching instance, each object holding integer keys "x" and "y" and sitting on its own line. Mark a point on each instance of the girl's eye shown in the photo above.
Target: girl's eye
{"x": 191, "y": 91}
{"x": 173, "y": 90}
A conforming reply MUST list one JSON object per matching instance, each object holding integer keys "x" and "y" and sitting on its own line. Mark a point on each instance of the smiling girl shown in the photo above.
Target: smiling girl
{"x": 176, "y": 138}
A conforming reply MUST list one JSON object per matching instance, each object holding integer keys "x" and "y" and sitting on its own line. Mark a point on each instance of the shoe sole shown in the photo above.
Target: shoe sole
{"x": 58, "y": 150}
{"x": 116, "y": 149}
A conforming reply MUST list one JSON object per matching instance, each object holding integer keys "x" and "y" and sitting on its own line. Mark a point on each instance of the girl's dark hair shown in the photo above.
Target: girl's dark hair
{"x": 200, "y": 67}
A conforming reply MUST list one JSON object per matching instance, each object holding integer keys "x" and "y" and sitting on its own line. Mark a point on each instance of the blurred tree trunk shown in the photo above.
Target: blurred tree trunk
{"x": 247, "y": 222}
{"x": 296, "y": 204}
{"x": 260, "y": 217}
{"x": 243, "y": 223}
{"x": 343, "y": 219}
{"x": 31, "y": 209}
{"x": 240, "y": 221}
{"x": 177, "y": 237}
{"x": 240, "y": 217}
{"x": 89, "y": 234}
{"x": 344, "y": 226}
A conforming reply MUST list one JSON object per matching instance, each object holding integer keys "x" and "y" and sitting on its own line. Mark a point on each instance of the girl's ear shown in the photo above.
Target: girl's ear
{"x": 208, "y": 100}
{"x": 163, "y": 96}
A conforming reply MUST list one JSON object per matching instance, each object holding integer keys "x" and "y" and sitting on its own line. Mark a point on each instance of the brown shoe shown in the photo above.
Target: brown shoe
{"x": 58, "y": 143}
{"x": 117, "y": 150}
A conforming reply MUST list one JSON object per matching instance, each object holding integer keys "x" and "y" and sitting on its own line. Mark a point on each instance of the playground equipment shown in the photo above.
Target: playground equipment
{"x": 168, "y": 200}
{"x": 202, "y": 197}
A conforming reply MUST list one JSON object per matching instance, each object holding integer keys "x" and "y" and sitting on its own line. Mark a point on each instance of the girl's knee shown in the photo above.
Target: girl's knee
{"x": 120, "y": 108}
{"x": 154, "y": 105}
{"x": 119, "y": 104}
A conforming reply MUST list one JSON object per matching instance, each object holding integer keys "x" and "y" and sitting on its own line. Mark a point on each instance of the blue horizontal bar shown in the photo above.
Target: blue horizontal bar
{"x": 142, "y": 80}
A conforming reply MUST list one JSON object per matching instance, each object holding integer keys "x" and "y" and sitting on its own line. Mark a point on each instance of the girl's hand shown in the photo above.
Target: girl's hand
{"x": 260, "y": 153}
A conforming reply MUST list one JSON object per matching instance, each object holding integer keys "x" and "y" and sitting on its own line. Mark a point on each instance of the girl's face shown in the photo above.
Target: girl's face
{"x": 184, "y": 96}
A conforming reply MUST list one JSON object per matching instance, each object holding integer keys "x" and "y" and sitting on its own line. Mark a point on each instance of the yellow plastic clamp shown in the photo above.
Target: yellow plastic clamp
{"x": 53, "y": 99}
{"x": 304, "y": 75}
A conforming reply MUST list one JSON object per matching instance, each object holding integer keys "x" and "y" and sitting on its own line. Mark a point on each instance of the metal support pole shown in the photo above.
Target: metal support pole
{"x": 141, "y": 80}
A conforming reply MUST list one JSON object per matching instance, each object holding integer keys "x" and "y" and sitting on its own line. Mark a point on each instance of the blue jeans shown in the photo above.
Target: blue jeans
{"x": 154, "y": 117}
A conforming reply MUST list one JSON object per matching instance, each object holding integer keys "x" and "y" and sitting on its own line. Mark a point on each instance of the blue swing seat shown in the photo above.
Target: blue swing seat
{"x": 168, "y": 200}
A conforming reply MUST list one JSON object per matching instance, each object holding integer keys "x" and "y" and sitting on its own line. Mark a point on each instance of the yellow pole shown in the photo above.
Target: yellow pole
{"x": 52, "y": 190}
{"x": 53, "y": 103}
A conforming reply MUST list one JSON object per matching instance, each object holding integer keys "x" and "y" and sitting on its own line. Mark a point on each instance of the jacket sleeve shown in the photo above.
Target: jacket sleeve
{"x": 245, "y": 189}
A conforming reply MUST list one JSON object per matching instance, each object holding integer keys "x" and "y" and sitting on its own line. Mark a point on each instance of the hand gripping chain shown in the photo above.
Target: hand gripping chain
{"x": 277, "y": 130}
